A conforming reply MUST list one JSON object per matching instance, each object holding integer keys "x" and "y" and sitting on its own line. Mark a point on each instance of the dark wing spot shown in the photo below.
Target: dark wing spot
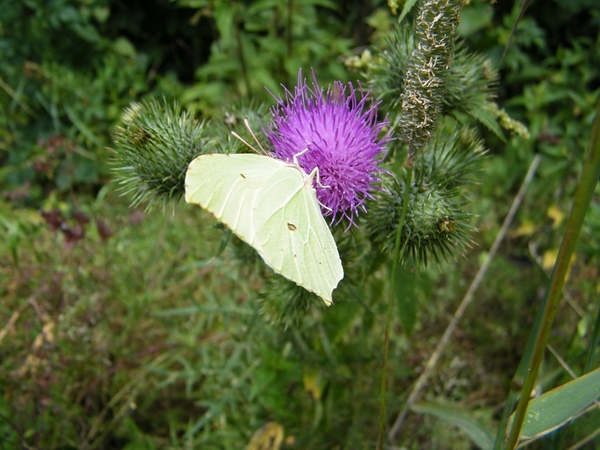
{"x": 243, "y": 176}
{"x": 291, "y": 227}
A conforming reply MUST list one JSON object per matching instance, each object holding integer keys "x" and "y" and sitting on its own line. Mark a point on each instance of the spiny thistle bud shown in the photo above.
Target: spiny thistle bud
{"x": 156, "y": 143}
{"x": 426, "y": 72}
{"x": 436, "y": 225}
{"x": 386, "y": 73}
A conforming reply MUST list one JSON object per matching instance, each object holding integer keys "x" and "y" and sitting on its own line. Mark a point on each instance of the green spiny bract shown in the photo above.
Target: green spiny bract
{"x": 386, "y": 71}
{"x": 284, "y": 302}
{"x": 156, "y": 143}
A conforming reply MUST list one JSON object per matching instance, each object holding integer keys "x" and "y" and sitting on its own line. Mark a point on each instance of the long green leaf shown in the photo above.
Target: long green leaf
{"x": 481, "y": 436}
{"x": 82, "y": 127}
{"x": 558, "y": 406}
{"x": 406, "y": 9}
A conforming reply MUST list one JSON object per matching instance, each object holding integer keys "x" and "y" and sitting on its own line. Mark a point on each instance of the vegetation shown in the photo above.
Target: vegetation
{"x": 149, "y": 325}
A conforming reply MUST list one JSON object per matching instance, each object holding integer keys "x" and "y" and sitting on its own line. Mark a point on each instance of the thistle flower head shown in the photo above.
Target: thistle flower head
{"x": 337, "y": 132}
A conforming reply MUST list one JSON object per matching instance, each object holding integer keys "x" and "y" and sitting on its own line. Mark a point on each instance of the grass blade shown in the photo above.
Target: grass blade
{"x": 481, "y": 436}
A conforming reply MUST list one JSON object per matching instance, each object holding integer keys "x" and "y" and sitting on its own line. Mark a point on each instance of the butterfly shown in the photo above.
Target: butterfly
{"x": 272, "y": 206}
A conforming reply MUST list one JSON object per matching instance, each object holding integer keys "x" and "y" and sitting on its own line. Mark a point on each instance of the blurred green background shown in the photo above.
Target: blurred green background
{"x": 120, "y": 329}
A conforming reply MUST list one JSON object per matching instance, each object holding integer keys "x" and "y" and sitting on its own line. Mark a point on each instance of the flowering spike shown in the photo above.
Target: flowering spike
{"x": 336, "y": 132}
{"x": 427, "y": 70}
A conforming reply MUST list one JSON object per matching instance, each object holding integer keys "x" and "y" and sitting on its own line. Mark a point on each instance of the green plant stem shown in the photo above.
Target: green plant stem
{"x": 583, "y": 196}
{"x": 524, "y": 6}
{"x": 388, "y": 319}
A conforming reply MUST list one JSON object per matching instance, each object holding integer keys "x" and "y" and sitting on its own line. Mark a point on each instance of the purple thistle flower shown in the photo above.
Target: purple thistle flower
{"x": 340, "y": 134}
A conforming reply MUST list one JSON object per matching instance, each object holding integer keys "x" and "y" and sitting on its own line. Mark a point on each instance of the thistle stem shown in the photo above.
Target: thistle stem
{"x": 388, "y": 320}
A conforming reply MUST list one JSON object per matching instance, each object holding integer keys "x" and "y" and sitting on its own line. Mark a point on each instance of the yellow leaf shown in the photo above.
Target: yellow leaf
{"x": 267, "y": 437}
{"x": 526, "y": 229}
{"x": 313, "y": 382}
{"x": 556, "y": 215}
{"x": 549, "y": 258}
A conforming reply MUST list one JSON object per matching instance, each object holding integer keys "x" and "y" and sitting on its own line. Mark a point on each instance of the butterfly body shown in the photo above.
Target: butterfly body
{"x": 271, "y": 205}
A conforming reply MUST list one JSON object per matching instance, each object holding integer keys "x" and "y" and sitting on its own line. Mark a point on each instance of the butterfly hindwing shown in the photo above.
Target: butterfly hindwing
{"x": 308, "y": 253}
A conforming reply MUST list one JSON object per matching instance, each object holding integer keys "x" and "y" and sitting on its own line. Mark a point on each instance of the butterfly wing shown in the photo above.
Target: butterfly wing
{"x": 272, "y": 206}
{"x": 228, "y": 185}
{"x": 293, "y": 235}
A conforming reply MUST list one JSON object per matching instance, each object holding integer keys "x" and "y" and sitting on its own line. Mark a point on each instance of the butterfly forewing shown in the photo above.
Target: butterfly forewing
{"x": 227, "y": 186}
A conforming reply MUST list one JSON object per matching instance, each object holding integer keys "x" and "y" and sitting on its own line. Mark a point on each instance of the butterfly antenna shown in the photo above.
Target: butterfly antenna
{"x": 244, "y": 141}
{"x": 254, "y": 136}
{"x": 262, "y": 149}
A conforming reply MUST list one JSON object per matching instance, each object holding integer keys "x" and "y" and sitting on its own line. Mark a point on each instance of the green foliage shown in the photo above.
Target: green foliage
{"x": 478, "y": 433}
{"x": 69, "y": 68}
{"x": 125, "y": 330}
{"x": 555, "y": 408}
{"x": 262, "y": 44}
